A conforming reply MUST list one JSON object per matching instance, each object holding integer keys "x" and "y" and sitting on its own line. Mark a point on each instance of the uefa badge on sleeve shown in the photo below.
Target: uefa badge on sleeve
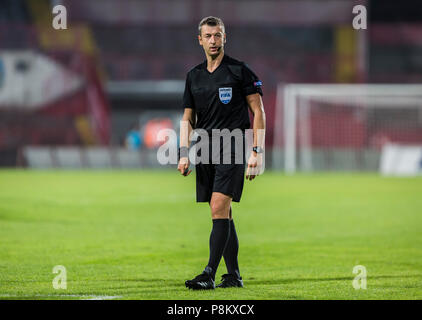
{"x": 225, "y": 95}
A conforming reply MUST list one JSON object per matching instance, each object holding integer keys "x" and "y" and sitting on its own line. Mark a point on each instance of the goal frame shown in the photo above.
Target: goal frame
{"x": 293, "y": 104}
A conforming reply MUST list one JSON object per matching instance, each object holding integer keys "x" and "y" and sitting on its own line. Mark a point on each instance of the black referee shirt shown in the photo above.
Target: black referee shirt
{"x": 219, "y": 98}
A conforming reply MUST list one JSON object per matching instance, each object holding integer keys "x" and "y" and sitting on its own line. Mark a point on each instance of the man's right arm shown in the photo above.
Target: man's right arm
{"x": 186, "y": 126}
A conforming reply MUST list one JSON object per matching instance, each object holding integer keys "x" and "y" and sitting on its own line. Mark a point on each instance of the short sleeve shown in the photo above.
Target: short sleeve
{"x": 250, "y": 82}
{"x": 187, "y": 95}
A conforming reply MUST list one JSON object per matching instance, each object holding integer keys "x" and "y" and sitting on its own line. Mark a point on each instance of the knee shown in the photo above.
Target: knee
{"x": 219, "y": 210}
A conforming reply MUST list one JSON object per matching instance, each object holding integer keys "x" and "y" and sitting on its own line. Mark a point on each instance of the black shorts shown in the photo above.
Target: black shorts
{"x": 225, "y": 178}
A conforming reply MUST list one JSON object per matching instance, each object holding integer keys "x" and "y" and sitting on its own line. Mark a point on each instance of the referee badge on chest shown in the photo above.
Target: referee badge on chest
{"x": 225, "y": 95}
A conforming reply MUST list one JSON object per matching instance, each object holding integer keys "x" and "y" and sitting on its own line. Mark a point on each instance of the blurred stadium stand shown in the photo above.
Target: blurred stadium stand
{"x": 131, "y": 58}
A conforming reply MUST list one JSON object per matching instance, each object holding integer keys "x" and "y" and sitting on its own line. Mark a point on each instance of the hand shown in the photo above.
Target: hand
{"x": 183, "y": 166}
{"x": 254, "y": 165}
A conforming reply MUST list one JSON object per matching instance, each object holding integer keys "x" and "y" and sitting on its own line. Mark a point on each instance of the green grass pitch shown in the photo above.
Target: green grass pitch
{"x": 140, "y": 235}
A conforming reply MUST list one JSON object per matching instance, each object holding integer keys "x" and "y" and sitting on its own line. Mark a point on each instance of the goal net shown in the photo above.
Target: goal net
{"x": 343, "y": 127}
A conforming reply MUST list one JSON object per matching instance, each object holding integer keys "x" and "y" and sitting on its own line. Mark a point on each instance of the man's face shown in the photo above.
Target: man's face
{"x": 212, "y": 39}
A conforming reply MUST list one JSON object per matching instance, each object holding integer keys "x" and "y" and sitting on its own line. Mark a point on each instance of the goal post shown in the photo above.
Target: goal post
{"x": 343, "y": 126}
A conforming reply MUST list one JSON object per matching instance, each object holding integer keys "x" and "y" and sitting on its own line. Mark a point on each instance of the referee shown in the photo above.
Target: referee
{"x": 217, "y": 95}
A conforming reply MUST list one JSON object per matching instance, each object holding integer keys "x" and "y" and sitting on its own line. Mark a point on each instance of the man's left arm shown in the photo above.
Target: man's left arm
{"x": 255, "y": 162}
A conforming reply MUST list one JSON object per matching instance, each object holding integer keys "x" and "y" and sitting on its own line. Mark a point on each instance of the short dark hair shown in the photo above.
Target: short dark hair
{"x": 211, "y": 21}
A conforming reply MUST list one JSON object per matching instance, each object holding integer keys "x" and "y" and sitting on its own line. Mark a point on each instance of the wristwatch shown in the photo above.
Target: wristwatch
{"x": 258, "y": 149}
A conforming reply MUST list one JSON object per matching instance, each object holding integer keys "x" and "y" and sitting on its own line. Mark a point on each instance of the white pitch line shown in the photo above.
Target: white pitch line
{"x": 86, "y": 296}
{"x": 103, "y": 297}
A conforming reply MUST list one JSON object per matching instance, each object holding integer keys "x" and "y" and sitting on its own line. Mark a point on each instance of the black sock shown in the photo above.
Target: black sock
{"x": 218, "y": 239}
{"x": 231, "y": 251}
